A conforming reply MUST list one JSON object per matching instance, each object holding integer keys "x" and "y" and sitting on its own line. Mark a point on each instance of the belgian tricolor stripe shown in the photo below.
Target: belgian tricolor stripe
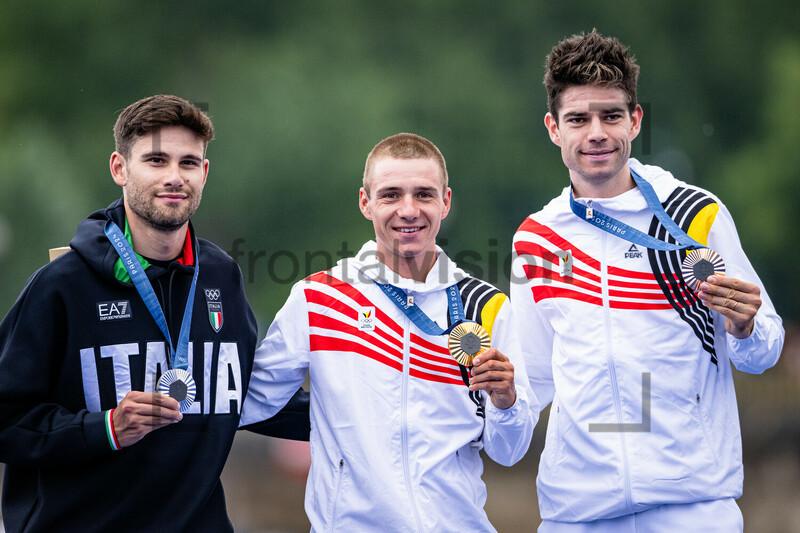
{"x": 627, "y": 289}
{"x": 333, "y": 307}
{"x": 694, "y": 211}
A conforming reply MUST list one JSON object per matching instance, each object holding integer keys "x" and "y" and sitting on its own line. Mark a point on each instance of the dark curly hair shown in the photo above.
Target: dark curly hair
{"x": 590, "y": 59}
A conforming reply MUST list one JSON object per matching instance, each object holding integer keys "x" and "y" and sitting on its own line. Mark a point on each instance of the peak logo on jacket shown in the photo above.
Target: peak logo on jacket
{"x": 633, "y": 252}
{"x": 110, "y": 372}
{"x": 214, "y": 303}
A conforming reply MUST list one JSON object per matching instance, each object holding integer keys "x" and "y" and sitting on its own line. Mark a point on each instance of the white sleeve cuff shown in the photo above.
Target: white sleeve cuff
{"x": 507, "y": 415}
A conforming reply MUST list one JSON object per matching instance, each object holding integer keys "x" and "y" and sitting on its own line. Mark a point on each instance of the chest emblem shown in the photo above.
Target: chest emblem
{"x": 366, "y": 319}
{"x": 564, "y": 263}
{"x": 214, "y": 304}
{"x": 633, "y": 252}
{"x": 116, "y": 310}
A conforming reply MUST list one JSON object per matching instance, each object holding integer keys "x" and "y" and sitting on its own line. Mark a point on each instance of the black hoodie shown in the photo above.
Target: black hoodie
{"x": 75, "y": 342}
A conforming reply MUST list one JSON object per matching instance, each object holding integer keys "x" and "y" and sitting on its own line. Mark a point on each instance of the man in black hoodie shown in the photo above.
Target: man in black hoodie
{"x": 124, "y": 366}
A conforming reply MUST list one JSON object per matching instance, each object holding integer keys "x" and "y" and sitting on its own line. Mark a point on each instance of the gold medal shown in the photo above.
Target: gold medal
{"x": 699, "y": 264}
{"x": 467, "y": 340}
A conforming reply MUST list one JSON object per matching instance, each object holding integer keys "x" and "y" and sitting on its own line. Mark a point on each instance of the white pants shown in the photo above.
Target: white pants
{"x": 713, "y": 516}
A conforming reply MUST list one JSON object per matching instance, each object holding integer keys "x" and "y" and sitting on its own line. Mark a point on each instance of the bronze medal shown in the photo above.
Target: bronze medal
{"x": 699, "y": 264}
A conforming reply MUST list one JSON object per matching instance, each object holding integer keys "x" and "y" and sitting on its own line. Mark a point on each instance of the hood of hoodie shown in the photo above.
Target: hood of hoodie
{"x": 91, "y": 243}
{"x": 365, "y": 266}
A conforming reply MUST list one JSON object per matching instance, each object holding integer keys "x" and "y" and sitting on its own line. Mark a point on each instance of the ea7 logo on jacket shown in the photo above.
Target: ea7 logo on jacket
{"x": 214, "y": 303}
{"x": 116, "y": 310}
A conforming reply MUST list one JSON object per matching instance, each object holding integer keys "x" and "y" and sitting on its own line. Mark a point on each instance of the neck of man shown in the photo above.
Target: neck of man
{"x": 609, "y": 188}
{"x": 153, "y": 243}
{"x": 416, "y": 268}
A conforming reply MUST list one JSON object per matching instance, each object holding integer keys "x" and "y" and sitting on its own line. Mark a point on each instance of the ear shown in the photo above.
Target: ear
{"x": 205, "y": 171}
{"x": 552, "y": 128}
{"x": 636, "y": 121}
{"x": 363, "y": 203}
{"x": 446, "y": 199}
{"x": 117, "y": 167}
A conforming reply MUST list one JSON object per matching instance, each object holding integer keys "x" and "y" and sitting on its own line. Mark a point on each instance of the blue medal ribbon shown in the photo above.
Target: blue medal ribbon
{"x": 633, "y": 235}
{"x": 421, "y": 320}
{"x": 179, "y": 355}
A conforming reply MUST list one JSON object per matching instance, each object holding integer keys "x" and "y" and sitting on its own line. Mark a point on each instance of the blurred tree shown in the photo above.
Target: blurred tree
{"x": 762, "y": 179}
{"x": 301, "y": 91}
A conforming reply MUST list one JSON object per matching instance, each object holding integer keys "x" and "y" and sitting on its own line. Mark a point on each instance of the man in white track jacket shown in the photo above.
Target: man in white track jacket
{"x": 396, "y": 422}
{"x": 643, "y": 433}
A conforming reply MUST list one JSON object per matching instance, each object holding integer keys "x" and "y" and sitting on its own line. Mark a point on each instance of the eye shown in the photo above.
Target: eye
{"x": 576, "y": 120}
{"x": 613, "y": 116}
{"x": 190, "y": 163}
{"x": 156, "y": 160}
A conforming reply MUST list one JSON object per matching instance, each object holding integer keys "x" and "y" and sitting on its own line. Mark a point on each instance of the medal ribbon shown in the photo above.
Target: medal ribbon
{"x": 420, "y": 319}
{"x": 633, "y": 235}
{"x": 179, "y": 355}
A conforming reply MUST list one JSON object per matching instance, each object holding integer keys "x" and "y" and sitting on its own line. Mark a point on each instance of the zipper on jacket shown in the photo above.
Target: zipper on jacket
{"x": 404, "y": 419}
{"x": 613, "y": 373}
{"x": 704, "y": 428}
{"x": 339, "y": 475}
{"x": 460, "y": 459}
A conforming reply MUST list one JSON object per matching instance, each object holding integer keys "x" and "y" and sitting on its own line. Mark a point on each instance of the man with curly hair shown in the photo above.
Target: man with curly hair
{"x": 630, "y": 320}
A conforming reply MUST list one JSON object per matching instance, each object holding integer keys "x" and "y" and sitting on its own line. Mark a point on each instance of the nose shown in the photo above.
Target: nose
{"x": 172, "y": 175}
{"x": 597, "y": 132}
{"x": 408, "y": 207}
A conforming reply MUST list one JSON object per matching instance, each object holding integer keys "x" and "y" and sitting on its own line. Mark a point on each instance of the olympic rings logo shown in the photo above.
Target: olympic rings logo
{"x": 212, "y": 294}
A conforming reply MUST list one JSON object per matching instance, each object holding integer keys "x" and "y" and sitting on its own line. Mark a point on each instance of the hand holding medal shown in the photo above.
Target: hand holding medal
{"x": 177, "y": 382}
{"x": 140, "y": 413}
{"x": 493, "y": 373}
{"x": 738, "y": 301}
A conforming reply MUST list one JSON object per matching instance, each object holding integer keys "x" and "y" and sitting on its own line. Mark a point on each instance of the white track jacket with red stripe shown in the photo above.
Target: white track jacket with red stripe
{"x": 395, "y": 432}
{"x": 637, "y": 368}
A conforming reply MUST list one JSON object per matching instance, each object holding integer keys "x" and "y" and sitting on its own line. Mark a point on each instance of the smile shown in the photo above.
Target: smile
{"x": 408, "y": 230}
{"x": 598, "y": 153}
{"x": 172, "y": 197}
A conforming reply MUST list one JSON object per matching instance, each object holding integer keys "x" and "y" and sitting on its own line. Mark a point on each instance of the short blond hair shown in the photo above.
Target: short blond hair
{"x": 404, "y": 146}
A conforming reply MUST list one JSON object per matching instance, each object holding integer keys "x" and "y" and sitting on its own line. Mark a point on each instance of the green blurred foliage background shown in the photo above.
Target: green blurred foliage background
{"x": 300, "y": 92}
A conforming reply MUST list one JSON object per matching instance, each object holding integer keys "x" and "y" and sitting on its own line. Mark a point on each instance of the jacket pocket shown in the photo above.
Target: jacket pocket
{"x": 465, "y": 458}
{"x": 553, "y": 438}
{"x": 338, "y": 474}
{"x": 700, "y": 414}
